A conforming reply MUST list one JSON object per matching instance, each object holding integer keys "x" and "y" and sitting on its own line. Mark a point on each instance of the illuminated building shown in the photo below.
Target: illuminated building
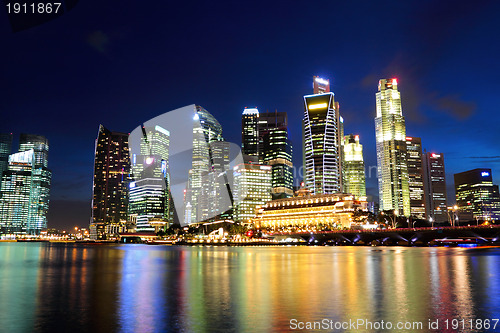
{"x": 307, "y": 212}
{"x": 5, "y": 150}
{"x": 252, "y": 187}
{"x": 435, "y": 187}
{"x": 149, "y": 193}
{"x": 16, "y": 193}
{"x": 111, "y": 178}
{"x": 390, "y": 133}
{"x": 206, "y": 129}
{"x": 250, "y": 132}
{"x": 266, "y": 136}
{"x": 477, "y": 194}
{"x": 353, "y": 166}
{"x": 321, "y": 135}
{"x": 415, "y": 177}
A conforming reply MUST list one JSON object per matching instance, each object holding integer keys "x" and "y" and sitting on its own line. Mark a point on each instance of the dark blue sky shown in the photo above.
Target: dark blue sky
{"x": 122, "y": 63}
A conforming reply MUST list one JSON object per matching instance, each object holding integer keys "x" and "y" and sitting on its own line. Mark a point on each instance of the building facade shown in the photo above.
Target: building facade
{"x": 415, "y": 177}
{"x": 252, "y": 188}
{"x": 476, "y": 194}
{"x": 5, "y": 151}
{"x": 322, "y": 151}
{"x": 25, "y": 187}
{"x": 435, "y": 187}
{"x": 149, "y": 193}
{"x": 111, "y": 179}
{"x": 353, "y": 167}
{"x": 390, "y": 131}
{"x": 309, "y": 212}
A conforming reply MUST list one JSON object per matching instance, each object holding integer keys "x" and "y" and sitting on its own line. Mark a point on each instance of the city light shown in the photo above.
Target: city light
{"x": 317, "y": 106}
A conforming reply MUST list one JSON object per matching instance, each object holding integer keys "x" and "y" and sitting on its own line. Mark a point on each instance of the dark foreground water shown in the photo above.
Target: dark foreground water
{"x": 141, "y": 288}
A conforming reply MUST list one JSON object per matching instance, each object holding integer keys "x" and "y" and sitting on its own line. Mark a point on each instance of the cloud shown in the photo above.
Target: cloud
{"x": 453, "y": 105}
{"x": 99, "y": 41}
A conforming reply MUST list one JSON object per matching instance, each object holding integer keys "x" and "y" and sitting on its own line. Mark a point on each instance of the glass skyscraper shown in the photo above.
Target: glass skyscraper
{"x": 25, "y": 187}
{"x": 415, "y": 177}
{"x": 322, "y": 155}
{"x": 435, "y": 187}
{"x": 250, "y": 132}
{"x": 111, "y": 178}
{"x": 353, "y": 166}
{"x": 390, "y": 131}
{"x": 149, "y": 196}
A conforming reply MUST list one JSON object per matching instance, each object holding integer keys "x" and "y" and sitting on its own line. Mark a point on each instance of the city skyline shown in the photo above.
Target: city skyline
{"x": 99, "y": 80}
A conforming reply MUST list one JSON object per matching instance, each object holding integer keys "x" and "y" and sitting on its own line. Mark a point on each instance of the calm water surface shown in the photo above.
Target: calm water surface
{"x": 140, "y": 288}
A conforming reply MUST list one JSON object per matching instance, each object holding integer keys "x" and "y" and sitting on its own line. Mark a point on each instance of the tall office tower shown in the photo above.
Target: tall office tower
{"x": 250, "y": 132}
{"x": 41, "y": 179}
{"x": 323, "y": 173}
{"x": 149, "y": 196}
{"x": 216, "y": 194}
{"x": 415, "y": 177}
{"x": 252, "y": 188}
{"x": 206, "y": 129}
{"x": 275, "y": 149}
{"x": 390, "y": 133}
{"x": 353, "y": 166}
{"x": 5, "y": 150}
{"x": 16, "y": 197}
{"x": 278, "y": 154}
{"x": 434, "y": 187}
{"x": 477, "y": 194}
{"x": 111, "y": 178}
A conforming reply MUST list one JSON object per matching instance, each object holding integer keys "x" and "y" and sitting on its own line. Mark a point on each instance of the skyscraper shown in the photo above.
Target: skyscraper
{"x": 5, "y": 150}
{"x": 206, "y": 129}
{"x": 415, "y": 177}
{"x": 16, "y": 196}
{"x": 250, "y": 132}
{"x": 111, "y": 178}
{"x": 434, "y": 187}
{"x": 353, "y": 166}
{"x": 25, "y": 187}
{"x": 390, "y": 133}
{"x": 322, "y": 156}
{"x": 41, "y": 179}
{"x": 477, "y": 194}
{"x": 149, "y": 196}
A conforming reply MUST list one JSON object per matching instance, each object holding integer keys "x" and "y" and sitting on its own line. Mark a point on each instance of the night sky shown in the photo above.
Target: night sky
{"x": 120, "y": 63}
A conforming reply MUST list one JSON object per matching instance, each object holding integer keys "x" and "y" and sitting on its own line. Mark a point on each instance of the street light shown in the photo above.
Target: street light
{"x": 432, "y": 221}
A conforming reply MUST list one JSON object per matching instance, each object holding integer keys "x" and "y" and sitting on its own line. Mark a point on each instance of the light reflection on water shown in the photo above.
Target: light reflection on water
{"x": 140, "y": 288}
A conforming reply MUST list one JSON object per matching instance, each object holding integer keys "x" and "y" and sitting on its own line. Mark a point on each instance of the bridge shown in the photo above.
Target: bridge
{"x": 481, "y": 235}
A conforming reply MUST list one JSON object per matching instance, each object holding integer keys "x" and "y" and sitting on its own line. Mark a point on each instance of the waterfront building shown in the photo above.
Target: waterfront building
{"x": 435, "y": 187}
{"x": 307, "y": 212}
{"x": 390, "y": 133}
{"x": 322, "y": 142}
{"x": 41, "y": 179}
{"x": 252, "y": 187}
{"x": 5, "y": 151}
{"x": 16, "y": 194}
{"x": 353, "y": 166}
{"x": 149, "y": 193}
{"x": 111, "y": 179}
{"x": 415, "y": 177}
{"x": 476, "y": 194}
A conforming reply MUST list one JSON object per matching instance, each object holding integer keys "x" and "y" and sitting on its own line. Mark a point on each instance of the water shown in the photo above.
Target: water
{"x": 140, "y": 288}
